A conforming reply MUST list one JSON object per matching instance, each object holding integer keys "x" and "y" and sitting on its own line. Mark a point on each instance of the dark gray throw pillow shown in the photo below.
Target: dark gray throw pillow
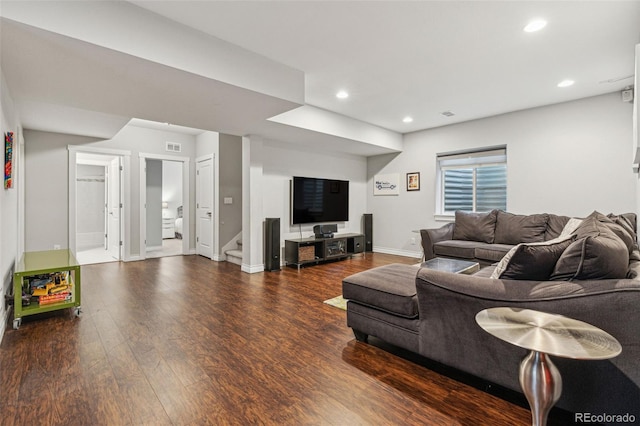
{"x": 555, "y": 225}
{"x": 475, "y": 226}
{"x": 598, "y": 253}
{"x": 514, "y": 228}
{"x": 621, "y": 226}
{"x": 534, "y": 262}
{"x": 627, "y": 221}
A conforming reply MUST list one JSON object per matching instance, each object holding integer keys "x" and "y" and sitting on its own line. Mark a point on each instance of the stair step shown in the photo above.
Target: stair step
{"x": 234, "y": 256}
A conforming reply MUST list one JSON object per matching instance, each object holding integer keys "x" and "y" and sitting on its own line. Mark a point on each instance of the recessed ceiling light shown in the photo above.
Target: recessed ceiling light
{"x": 566, "y": 83}
{"x": 534, "y": 26}
{"x": 407, "y": 119}
{"x": 343, "y": 94}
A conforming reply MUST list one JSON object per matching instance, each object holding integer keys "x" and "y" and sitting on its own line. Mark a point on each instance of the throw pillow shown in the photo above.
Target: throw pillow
{"x": 570, "y": 227}
{"x": 627, "y": 223}
{"x": 622, "y": 228}
{"x": 598, "y": 253}
{"x": 504, "y": 262}
{"x": 475, "y": 226}
{"x": 513, "y": 229}
{"x": 534, "y": 262}
{"x": 555, "y": 225}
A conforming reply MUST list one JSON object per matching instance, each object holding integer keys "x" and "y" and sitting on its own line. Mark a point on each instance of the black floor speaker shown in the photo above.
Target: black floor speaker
{"x": 272, "y": 244}
{"x": 367, "y": 220}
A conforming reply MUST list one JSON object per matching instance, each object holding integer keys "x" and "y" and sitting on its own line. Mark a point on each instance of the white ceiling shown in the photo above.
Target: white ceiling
{"x": 54, "y": 78}
{"x": 420, "y": 58}
{"x": 395, "y": 58}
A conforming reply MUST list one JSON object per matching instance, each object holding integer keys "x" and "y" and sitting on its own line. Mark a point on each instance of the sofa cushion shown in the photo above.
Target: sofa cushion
{"x": 514, "y": 228}
{"x": 390, "y": 288}
{"x": 555, "y": 225}
{"x": 475, "y": 226}
{"x": 622, "y": 228}
{"x": 492, "y": 252}
{"x": 534, "y": 261}
{"x": 633, "y": 273}
{"x": 456, "y": 248}
{"x": 598, "y": 253}
{"x": 624, "y": 221}
{"x": 504, "y": 262}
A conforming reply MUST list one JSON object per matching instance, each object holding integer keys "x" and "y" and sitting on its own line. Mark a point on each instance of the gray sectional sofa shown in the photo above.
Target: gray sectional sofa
{"x": 577, "y": 273}
{"x": 486, "y": 237}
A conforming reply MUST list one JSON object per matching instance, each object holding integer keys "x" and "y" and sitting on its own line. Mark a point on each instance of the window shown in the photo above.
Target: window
{"x": 472, "y": 181}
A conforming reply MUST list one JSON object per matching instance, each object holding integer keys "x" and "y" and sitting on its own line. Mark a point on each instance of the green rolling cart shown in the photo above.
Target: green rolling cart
{"x": 50, "y": 271}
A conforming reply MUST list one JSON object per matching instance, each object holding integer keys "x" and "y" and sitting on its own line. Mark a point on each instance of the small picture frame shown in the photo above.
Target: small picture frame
{"x": 413, "y": 181}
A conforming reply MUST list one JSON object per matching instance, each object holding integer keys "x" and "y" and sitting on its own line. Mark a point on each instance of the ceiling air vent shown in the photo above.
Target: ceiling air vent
{"x": 174, "y": 147}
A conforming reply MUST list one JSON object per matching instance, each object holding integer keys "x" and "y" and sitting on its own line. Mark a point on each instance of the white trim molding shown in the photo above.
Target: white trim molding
{"x": 125, "y": 157}
{"x": 405, "y": 253}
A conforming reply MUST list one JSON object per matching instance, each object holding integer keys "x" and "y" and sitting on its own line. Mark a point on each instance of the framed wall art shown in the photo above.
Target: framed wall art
{"x": 413, "y": 181}
{"x": 8, "y": 160}
{"x": 386, "y": 184}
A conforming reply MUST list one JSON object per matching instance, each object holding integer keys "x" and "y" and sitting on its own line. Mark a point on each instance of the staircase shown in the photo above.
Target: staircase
{"x": 235, "y": 255}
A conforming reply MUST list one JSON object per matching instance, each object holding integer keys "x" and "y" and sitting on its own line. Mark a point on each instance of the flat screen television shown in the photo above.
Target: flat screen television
{"x": 315, "y": 200}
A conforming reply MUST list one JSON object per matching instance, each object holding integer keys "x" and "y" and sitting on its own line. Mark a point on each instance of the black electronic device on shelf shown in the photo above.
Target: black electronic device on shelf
{"x": 325, "y": 231}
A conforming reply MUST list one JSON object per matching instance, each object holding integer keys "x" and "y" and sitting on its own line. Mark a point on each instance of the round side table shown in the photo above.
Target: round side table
{"x": 546, "y": 334}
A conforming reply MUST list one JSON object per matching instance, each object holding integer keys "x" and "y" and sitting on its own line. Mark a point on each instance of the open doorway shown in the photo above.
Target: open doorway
{"x": 164, "y": 205}
{"x": 164, "y": 212}
{"x": 98, "y": 212}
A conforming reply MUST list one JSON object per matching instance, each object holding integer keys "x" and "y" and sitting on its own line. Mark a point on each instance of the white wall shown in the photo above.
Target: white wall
{"x": 124, "y": 27}
{"x": 47, "y": 189}
{"x": 230, "y": 186}
{"x": 282, "y": 161}
{"x": 8, "y": 198}
{"x": 268, "y": 167}
{"x": 47, "y": 182}
{"x": 570, "y": 158}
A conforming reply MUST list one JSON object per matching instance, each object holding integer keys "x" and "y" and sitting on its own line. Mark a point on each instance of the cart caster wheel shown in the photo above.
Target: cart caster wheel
{"x": 16, "y": 323}
{"x": 77, "y": 311}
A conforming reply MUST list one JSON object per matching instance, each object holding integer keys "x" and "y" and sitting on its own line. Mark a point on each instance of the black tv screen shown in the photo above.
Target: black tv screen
{"x": 316, "y": 200}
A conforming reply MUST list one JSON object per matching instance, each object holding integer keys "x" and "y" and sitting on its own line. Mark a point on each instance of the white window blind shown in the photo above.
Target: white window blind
{"x": 473, "y": 181}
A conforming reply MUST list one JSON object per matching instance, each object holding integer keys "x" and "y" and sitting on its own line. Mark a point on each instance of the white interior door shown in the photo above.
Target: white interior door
{"x": 114, "y": 204}
{"x": 204, "y": 208}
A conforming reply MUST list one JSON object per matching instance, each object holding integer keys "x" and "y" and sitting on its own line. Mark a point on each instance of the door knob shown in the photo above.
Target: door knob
{"x": 209, "y": 214}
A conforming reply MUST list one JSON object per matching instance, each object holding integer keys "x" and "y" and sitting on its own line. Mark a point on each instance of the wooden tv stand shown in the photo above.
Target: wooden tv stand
{"x": 305, "y": 251}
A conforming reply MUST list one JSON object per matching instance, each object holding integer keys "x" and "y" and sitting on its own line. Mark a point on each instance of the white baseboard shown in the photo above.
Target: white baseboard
{"x": 406, "y": 253}
{"x": 252, "y": 269}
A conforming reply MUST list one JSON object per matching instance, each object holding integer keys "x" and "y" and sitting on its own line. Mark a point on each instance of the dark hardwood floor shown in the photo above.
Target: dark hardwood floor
{"x": 187, "y": 341}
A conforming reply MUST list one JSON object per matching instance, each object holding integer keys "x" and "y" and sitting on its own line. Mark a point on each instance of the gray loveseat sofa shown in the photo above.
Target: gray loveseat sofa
{"x": 433, "y": 313}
